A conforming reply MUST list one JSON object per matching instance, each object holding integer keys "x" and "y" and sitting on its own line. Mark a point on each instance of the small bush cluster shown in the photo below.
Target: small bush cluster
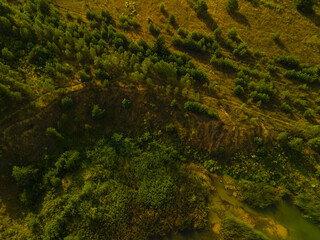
{"x": 201, "y": 8}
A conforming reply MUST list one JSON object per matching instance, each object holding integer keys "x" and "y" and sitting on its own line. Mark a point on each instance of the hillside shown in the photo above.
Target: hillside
{"x": 119, "y": 119}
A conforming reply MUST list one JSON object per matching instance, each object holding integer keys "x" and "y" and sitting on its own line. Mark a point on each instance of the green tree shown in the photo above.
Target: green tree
{"x": 97, "y": 112}
{"x": 232, "y": 5}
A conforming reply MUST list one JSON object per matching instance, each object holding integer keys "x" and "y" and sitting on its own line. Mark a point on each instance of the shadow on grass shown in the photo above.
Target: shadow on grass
{"x": 281, "y": 45}
{"x": 238, "y": 17}
{"x": 208, "y": 20}
{"x": 312, "y": 16}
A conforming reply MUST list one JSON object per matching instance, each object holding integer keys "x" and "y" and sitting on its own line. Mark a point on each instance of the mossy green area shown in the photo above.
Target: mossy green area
{"x": 118, "y": 118}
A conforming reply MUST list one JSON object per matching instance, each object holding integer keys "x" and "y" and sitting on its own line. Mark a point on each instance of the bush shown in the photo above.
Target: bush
{"x": 170, "y": 128}
{"x": 232, "y": 5}
{"x": 126, "y": 103}
{"x": 257, "y": 195}
{"x": 24, "y": 175}
{"x": 97, "y": 112}
{"x": 309, "y": 114}
{"x": 162, "y": 8}
{"x": 304, "y": 5}
{"x": 232, "y": 33}
{"x": 285, "y": 107}
{"x": 241, "y": 50}
{"x": 183, "y": 32}
{"x": 289, "y": 62}
{"x": 154, "y": 30}
{"x": 276, "y": 36}
{"x": 201, "y": 8}
{"x": 173, "y": 103}
{"x": 282, "y": 139}
{"x": 52, "y": 132}
{"x": 67, "y": 161}
{"x": 233, "y": 228}
{"x": 296, "y": 144}
{"x": 66, "y": 103}
{"x": 258, "y": 140}
{"x": 172, "y": 19}
{"x": 239, "y": 91}
{"x": 194, "y": 107}
{"x": 314, "y": 143}
{"x": 213, "y": 114}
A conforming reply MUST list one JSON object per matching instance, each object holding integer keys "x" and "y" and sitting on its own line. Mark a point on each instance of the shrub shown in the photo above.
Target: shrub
{"x": 217, "y": 32}
{"x": 7, "y": 54}
{"x": 172, "y": 19}
{"x": 276, "y": 36}
{"x": 66, "y": 103}
{"x": 154, "y": 30}
{"x": 24, "y": 175}
{"x": 239, "y": 91}
{"x": 285, "y": 107}
{"x": 173, "y": 103}
{"x": 97, "y": 112}
{"x": 282, "y": 139}
{"x": 258, "y": 140}
{"x": 162, "y": 8}
{"x": 233, "y": 228}
{"x": 52, "y": 132}
{"x": 170, "y": 128}
{"x": 224, "y": 63}
{"x": 309, "y": 114}
{"x": 67, "y": 161}
{"x": 296, "y": 144}
{"x": 241, "y": 50}
{"x": 213, "y": 114}
{"x": 232, "y": 5}
{"x": 304, "y": 5}
{"x": 257, "y": 195}
{"x": 232, "y": 33}
{"x": 314, "y": 143}
{"x": 183, "y": 32}
{"x": 201, "y": 8}
{"x": 194, "y": 107}
{"x": 289, "y": 62}
{"x": 126, "y": 103}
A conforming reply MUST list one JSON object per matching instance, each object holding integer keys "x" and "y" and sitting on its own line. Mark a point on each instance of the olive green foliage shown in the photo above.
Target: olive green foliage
{"x": 66, "y": 103}
{"x": 276, "y": 36}
{"x": 126, "y": 103}
{"x": 232, "y": 33}
{"x": 170, "y": 128}
{"x": 296, "y": 144}
{"x": 314, "y": 143}
{"x": 127, "y": 22}
{"x": 310, "y": 205}
{"x": 153, "y": 29}
{"x": 162, "y": 8}
{"x": 52, "y": 132}
{"x": 195, "y": 107}
{"x": 257, "y": 195}
{"x": 110, "y": 186}
{"x": 289, "y": 62}
{"x": 172, "y": 19}
{"x": 97, "y": 112}
{"x": 282, "y": 139}
{"x": 304, "y": 5}
{"x": 238, "y": 90}
{"x": 201, "y": 8}
{"x": 232, "y": 5}
{"x": 173, "y": 103}
{"x": 213, "y": 114}
{"x": 233, "y": 228}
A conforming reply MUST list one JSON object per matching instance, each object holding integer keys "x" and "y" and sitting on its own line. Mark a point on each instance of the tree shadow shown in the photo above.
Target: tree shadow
{"x": 281, "y": 45}
{"x": 208, "y": 20}
{"x": 238, "y": 17}
{"x": 313, "y": 17}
